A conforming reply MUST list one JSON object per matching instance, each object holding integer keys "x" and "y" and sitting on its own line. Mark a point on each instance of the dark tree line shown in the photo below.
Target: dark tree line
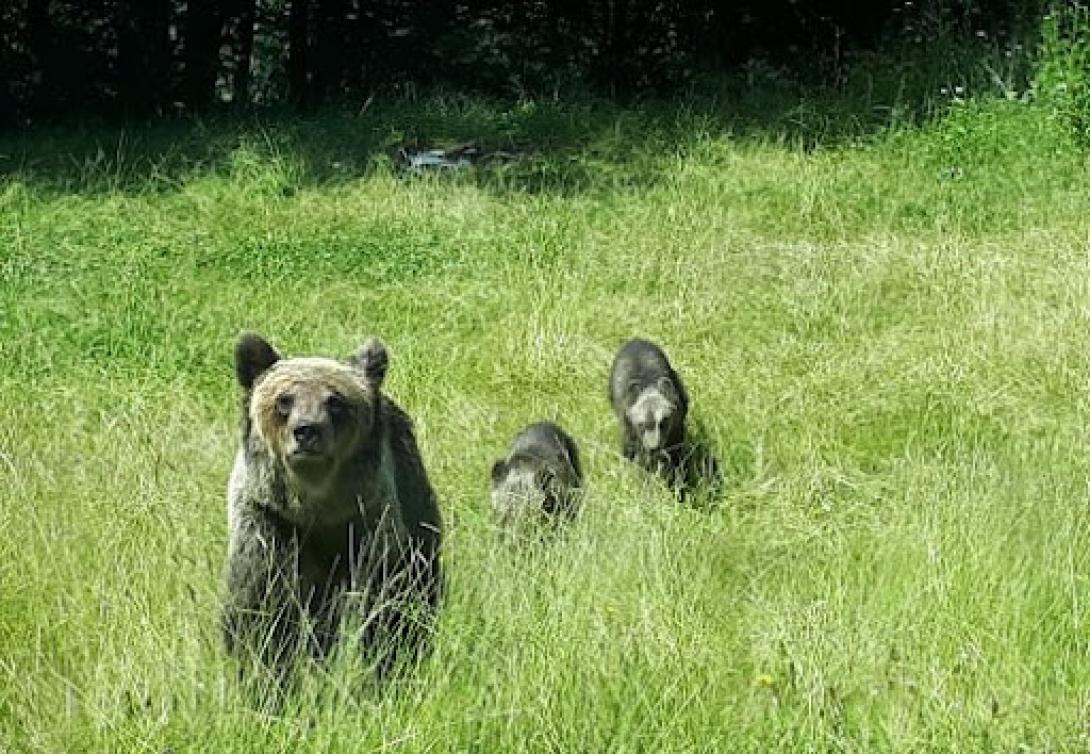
{"x": 136, "y": 58}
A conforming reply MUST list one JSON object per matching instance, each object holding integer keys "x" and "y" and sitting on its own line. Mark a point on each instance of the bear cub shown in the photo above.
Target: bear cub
{"x": 651, "y": 405}
{"x": 539, "y": 480}
{"x": 329, "y": 511}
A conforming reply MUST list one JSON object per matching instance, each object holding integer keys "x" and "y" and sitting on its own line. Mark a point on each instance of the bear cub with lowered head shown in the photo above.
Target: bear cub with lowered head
{"x": 329, "y": 511}
{"x": 539, "y": 480}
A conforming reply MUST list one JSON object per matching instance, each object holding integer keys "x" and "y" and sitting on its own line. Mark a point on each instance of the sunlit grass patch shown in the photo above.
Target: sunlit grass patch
{"x": 888, "y": 356}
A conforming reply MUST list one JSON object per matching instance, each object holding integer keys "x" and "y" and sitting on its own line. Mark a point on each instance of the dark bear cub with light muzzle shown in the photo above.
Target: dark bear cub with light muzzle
{"x": 329, "y": 511}
{"x": 540, "y": 479}
{"x": 651, "y": 406}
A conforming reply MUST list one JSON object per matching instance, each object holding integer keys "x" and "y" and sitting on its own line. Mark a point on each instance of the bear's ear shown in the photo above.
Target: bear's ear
{"x": 668, "y": 389}
{"x": 253, "y": 355}
{"x": 499, "y": 471}
{"x": 372, "y": 360}
{"x": 679, "y": 391}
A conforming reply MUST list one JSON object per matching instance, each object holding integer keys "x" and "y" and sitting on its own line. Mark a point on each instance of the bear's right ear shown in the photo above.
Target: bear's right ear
{"x": 253, "y": 356}
{"x": 499, "y": 471}
{"x": 668, "y": 389}
{"x": 372, "y": 360}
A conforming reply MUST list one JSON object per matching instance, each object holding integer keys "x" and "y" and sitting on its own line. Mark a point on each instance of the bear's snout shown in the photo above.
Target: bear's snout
{"x": 652, "y": 439}
{"x": 308, "y": 437}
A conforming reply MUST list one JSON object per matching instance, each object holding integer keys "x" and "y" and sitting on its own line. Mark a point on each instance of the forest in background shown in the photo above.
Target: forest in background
{"x": 126, "y": 59}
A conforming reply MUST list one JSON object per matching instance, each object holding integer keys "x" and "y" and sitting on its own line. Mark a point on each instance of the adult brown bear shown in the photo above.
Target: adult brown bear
{"x": 329, "y": 510}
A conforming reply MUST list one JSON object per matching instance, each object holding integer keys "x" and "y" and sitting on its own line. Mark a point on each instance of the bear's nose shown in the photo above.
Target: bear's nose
{"x": 307, "y": 435}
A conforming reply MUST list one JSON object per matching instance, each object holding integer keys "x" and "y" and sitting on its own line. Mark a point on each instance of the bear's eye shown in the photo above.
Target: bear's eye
{"x": 337, "y": 406}
{"x": 284, "y": 404}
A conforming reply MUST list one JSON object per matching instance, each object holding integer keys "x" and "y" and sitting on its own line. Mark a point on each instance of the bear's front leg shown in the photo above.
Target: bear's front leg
{"x": 630, "y": 445}
{"x": 397, "y": 609}
{"x": 262, "y": 614}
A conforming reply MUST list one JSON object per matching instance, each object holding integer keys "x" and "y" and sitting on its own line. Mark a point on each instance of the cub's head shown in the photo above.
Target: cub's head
{"x": 311, "y": 413}
{"x": 522, "y": 486}
{"x": 656, "y": 412}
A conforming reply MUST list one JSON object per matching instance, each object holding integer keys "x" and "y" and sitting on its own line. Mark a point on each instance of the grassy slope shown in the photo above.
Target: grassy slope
{"x": 890, "y": 356}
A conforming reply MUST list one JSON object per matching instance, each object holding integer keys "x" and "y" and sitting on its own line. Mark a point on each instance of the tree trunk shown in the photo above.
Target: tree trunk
{"x": 143, "y": 55}
{"x": 617, "y": 57}
{"x": 244, "y": 50}
{"x": 8, "y": 33}
{"x": 298, "y": 57}
{"x": 329, "y": 48}
{"x": 355, "y": 41}
{"x": 40, "y": 41}
{"x": 203, "y": 35}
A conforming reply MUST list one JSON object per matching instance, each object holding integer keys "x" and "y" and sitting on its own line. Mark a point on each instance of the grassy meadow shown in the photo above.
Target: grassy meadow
{"x": 884, "y": 324}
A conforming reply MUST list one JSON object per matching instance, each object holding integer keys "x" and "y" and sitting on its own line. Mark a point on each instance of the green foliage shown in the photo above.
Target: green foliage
{"x": 1064, "y": 71}
{"x": 128, "y": 59}
{"x": 882, "y": 325}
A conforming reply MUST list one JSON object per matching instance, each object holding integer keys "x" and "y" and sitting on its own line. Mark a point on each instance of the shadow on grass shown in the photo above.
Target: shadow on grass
{"x": 563, "y": 147}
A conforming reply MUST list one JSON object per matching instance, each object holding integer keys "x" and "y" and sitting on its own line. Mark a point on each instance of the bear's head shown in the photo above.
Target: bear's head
{"x": 520, "y": 484}
{"x": 656, "y": 412}
{"x": 312, "y": 414}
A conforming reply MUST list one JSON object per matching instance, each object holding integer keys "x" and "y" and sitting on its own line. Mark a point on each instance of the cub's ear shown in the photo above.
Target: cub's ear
{"x": 668, "y": 389}
{"x": 499, "y": 471}
{"x": 253, "y": 355}
{"x": 372, "y": 361}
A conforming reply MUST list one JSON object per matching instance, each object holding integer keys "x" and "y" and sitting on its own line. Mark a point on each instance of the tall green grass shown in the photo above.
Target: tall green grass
{"x": 1063, "y": 72}
{"x": 884, "y": 330}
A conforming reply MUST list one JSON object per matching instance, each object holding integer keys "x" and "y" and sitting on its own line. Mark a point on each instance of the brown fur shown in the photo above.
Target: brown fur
{"x": 317, "y": 376}
{"x": 328, "y": 498}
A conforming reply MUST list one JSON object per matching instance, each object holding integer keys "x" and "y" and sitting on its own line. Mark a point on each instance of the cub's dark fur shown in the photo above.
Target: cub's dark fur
{"x": 651, "y": 406}
{"x": 540, "y": 478}
{"x": 329, "y": 511}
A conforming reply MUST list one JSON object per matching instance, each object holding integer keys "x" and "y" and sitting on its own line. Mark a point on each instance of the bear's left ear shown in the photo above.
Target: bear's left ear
{"x": 253, "y": 356}
{"x": 669, "y": 390}
{"x": 499, "y": 471}
{"x": 372, "y": 361}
